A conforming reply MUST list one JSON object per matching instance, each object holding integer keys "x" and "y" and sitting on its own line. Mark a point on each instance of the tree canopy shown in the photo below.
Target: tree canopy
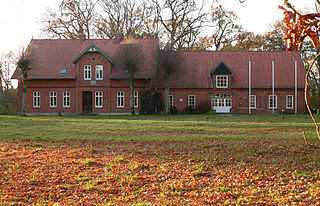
{"x": 179, "y": 24}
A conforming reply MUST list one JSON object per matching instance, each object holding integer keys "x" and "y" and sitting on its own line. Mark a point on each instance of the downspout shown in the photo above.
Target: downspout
{"x": 249, "y": 87}
{"x": 273, "y": 87}
{"x": 21, "y": 90}
{"x": 295, "y": 88}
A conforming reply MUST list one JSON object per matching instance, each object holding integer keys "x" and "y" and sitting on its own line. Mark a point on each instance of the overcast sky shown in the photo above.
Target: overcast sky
{"x": 20, "y": 20}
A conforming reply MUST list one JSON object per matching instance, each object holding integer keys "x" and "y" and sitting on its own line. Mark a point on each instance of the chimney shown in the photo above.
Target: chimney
{"x": 117, "y": 38}
{"x": 82, "y": 37}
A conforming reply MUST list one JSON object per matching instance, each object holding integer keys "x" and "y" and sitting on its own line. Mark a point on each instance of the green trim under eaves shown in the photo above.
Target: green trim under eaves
{"x": 92, "y": 46}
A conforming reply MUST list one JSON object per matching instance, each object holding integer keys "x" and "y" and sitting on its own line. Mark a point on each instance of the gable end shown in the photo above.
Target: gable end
{"x": 221, "y": 69}
{"x": 92, "y": 48}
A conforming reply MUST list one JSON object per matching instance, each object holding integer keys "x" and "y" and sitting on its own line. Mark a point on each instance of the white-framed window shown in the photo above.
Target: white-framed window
{"x": 222, "y": 81}
{"x": 171, "y": 100}
{"x": 66, "y": 99}
{"x": 252, "y": 102}
{"x": 98, "y": 99}
{"x": 53, "y": 99}
{"x": 136, "y": 99}
{"x": 99, "y": 72}
{"x": 120, "y": 99}
{"x": 192, "y": 101}
{"x": 36, "y": 99}
{"x": 87, "y": 72}
{"x": 289, "y": 101}
{"x": 272, "y": 101}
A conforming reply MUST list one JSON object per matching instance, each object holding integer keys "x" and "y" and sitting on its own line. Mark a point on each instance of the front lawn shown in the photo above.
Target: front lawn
{"x": 153, "y": 127}
{"x": 158, "y": 160}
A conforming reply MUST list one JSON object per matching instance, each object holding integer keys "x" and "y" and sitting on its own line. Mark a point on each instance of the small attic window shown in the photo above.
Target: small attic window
{"x": 63, "y": 71}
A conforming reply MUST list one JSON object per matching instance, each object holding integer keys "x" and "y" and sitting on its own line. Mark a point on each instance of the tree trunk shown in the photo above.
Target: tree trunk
{"x": 132, "y": 94}
{"x": 1, "y": 89}
{"x": 166, "y": 94}
{"x": 24, "y": 98}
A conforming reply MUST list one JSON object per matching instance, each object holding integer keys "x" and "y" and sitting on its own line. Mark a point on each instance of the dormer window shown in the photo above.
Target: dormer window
{"x": 222, "y": 81}
{"x": 221, "y": 75}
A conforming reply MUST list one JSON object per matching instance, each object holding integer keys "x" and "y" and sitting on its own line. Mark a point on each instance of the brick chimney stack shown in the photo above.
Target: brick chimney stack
{"x": 117, "y": 38}
{"x": 82, "y": 37}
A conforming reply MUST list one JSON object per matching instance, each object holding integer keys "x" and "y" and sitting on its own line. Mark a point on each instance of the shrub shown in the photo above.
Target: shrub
{"x": 173, "y": 110}
{"x": 203, "y": 108}
{"x": 145, "y": 102}
{"x": 190, "y": 110}
{"x": 157, "y": 102}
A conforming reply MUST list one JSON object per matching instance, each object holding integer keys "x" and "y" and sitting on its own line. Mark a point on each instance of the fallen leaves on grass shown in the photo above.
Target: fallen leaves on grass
{"x": 206, "y": 172}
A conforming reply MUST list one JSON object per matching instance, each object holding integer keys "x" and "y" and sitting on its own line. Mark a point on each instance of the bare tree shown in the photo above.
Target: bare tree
{"x": 129, "y": 59}
{"x": 169, "y": 61}
{"x": 6, "y": 65}
{"x": 225, "y": 30}
{"x": 1, "y": 74}
{"x": 179, "y": 19}
{"x": 130, "y": 18}
{"x": 246, "y": 40}
{"x": 72, "y": 20}
{"x": 25, "y": 62}
{"x": 273, "y": 39}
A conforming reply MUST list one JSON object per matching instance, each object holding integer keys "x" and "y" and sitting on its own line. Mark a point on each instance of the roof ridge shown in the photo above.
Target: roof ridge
{"x": 241, "y": 51}
{"x": 94, "y": 39}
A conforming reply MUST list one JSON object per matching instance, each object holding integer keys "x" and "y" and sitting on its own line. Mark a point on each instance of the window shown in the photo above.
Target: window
{"x": 171, "y": 101}
{"x": 53, "y": 99}
{"x": 99, "y": 72}
{"x": 252, "y": 101}
{"x": 272, "y": 101}
{"x": 222, "y": 81}
{"x": 87, "y": 72}
{"x": 289, "y": 101}
{"x": 36, "y": 99}
{"x": 135, "y": 99}
{"x": 120, "y": 99}
{"x": 66, "y": 99}
{"x": 64, "y": 71}
{"x": 192, "y": 101}
{"x": 98, "y": 98}
{"x": 221, "y": 100}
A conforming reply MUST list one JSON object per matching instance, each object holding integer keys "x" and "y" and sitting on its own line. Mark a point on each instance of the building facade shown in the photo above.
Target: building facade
{"x": 78, "y": 76}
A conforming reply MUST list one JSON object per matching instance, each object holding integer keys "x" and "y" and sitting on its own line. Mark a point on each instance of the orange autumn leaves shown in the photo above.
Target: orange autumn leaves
{"x": 82, "y": 172}
{"x": 298, "y": 27}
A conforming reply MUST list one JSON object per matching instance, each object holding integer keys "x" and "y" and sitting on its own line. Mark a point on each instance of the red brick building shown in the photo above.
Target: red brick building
{"x": 78, "y": 76}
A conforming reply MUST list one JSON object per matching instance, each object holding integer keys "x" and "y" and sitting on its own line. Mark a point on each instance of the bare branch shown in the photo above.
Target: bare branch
{"x": 73, "y": 19}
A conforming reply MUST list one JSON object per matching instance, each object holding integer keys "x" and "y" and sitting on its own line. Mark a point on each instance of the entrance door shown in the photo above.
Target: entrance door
{"x": 221, "y": 103}
{"x": 87, "y": 102}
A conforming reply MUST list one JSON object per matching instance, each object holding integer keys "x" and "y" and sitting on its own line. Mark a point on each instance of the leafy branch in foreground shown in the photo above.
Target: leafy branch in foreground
{"x": 298, "y": 27}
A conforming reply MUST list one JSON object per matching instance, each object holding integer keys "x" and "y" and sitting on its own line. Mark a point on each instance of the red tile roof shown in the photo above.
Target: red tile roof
{"x": 56, "y": 54}
{"x": 198, "y": 65}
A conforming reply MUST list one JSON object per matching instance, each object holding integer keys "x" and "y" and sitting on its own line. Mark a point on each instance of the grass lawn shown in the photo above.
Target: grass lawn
{"x": 158, "y": 160}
